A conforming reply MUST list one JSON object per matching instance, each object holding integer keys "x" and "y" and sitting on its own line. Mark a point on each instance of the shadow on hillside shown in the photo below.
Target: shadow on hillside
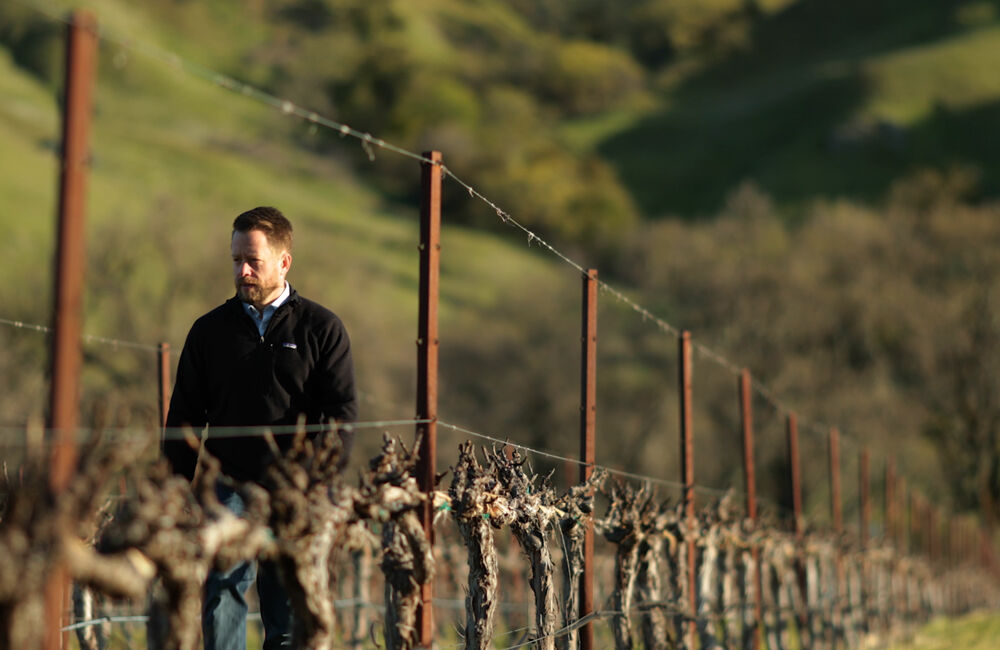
{"x": 781, "y": 114}
{"x": 685, "y": 161}
{"x": 814, "y": 32}
{"x": 960, "y": 138}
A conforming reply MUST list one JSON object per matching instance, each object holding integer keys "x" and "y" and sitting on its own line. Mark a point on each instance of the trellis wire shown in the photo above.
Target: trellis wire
{"x": 116, "y": 343}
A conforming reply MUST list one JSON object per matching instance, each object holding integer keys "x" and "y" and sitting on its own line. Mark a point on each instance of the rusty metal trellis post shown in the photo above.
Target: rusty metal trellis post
{"x": 588, "y": 420}
{"x": 865, "y": 514}
{"x": 903, "y": 526}
{"x": 163, "y": 379}
{"x": 933, "y": 544}
{"x": 864, "y": 496}
{"x": 750, "y": 483}
{"x": 81, "y": 55}
{"x": 795, "y": 480}
{"x": 64, "y": 396}
{"x": 687, "y": 472}
{"x": 837, "y": 514}
{"x": 836, "y": 508}
{"x": 746, "y": 426}
{"x": 427, "y": 365}
{"x": 889, "y": 503}
{"x": 792, "y": 431}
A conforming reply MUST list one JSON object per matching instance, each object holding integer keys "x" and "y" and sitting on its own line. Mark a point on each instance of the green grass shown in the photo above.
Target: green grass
{"x": 978, "y": 631}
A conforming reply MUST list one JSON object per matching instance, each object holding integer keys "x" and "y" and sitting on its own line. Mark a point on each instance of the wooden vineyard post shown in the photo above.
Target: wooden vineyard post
{"x": 66, "y": 355}
{"x": 750, "y": 484}
{"x": 795, "y": 485}
{"x": 746, "y": 426}
{"x": 837, "y": 515}
{"x": 792, "y": 431}
{"x": 687, "y": 474}
{"x": 81, "y": 53}
{"x": 933, "y": 542}
{"x": 588, "y": 419}
{"x": 427, "y": 366}
{"x": 889, "y": 503}
{"x": 864, "y": 495}
{"x": 163, "y": 379}
{"x": 836, "y": 508}
{"x": 903, "y": 526}
{"x": 865, "y": 513}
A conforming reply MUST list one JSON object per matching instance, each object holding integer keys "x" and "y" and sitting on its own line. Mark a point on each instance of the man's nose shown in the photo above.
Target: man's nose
{"x": 244, "y": 270}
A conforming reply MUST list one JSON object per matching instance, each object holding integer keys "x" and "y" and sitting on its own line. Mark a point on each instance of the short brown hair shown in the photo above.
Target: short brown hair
{"x": 269, "y": 221}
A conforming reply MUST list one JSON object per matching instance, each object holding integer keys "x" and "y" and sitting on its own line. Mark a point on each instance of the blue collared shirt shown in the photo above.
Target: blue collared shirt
{"x": 263, "y": 317}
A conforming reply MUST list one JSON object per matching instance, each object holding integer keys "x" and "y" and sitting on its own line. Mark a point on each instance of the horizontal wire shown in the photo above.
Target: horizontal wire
{"x": 139, "y": 618}
{"x": 639, "y": 309}
{"x": 675, "y": 608}
{"x": 712, "y": 355}
{"x": 677, "y": 485}
{"x": 576, "y": 461}
{"x": 180, "y": 433}
{"x": 578, "y": 623}
{"x": 507, "y": 219}
{"x": 86, "y": 337}
{"x": 526, "y": 628}
{"x": 363, "y": 396}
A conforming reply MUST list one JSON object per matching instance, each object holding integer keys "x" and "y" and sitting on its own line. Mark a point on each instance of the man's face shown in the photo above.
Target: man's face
{"x": 258, "y": 269}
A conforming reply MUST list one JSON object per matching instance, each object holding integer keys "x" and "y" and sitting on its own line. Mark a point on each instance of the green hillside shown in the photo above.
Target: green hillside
{"x": 175, "y": 158}
{"x": 821, "y": 99}
{"x": 809, "y": 186}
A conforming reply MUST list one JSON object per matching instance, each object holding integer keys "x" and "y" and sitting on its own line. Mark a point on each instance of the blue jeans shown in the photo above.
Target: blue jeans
{"x": 224, "y": 609}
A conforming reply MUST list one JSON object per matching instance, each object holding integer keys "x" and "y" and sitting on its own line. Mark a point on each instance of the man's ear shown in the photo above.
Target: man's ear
{"x": 286, "y": 261}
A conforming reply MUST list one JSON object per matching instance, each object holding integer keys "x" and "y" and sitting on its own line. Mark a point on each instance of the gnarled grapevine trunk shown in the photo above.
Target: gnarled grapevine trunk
{"x": 677, "y": 581}
{"x": 623, "y": 527}
{"x": 311, "y": 511}
{"x": 477, "y": 507}
{"x": 390, "y": 495}
{"x": 534, "y": 516}
{"x": 575, "y": 508}
{"x": 732, "y": 585}
{"x": 648, "y": 586}
{"x": 40, "y": 531}
{"x": 184, "y": 531}
{"x": 707, "y": 585}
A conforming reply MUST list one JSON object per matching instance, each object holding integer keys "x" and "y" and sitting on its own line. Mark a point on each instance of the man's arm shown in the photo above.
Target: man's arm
{"x": 187, "y": 409}
{"x": 337, "y": 395}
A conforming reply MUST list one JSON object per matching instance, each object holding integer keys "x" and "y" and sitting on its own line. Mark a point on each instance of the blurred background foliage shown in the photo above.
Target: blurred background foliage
{"x": 810, "y": 186}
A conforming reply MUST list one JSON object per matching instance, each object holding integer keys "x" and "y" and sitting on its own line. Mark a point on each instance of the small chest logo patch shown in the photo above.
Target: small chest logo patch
{"x": 290, "y": 346}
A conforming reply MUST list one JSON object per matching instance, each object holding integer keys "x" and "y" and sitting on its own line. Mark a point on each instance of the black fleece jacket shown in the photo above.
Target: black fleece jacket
{"x": 230, "y": 376}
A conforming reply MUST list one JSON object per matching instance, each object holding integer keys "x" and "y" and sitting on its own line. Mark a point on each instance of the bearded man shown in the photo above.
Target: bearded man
{"x": 261, "y": 360}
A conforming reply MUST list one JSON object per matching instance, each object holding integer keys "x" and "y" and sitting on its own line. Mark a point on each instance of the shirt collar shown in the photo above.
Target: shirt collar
{"x": 280, "y": 300}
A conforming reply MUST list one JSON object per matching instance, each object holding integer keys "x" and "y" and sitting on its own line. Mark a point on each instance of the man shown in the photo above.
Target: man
{"x": 262, "y": 359}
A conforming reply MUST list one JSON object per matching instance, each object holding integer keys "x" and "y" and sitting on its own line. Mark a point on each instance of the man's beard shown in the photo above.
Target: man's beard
{"x": 253, "y": 293}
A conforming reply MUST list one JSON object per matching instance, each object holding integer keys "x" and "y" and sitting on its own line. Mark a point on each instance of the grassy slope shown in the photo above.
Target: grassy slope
{"x": 800, "y": 114}
{"x": 978, "y": 631}
{"x": 175, "y": 158}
